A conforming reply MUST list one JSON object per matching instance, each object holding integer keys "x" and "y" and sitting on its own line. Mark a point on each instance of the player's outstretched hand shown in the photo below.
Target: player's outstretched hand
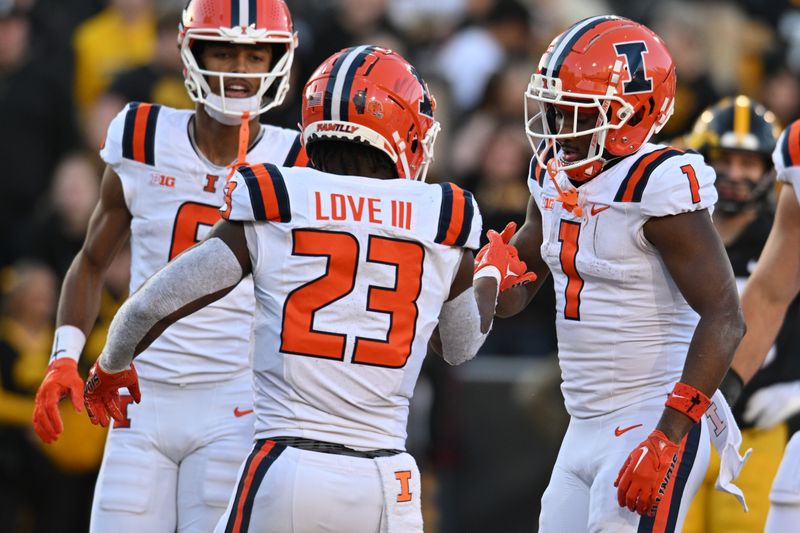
{"x": 62, "y": 379}
{"x": 502, "y": 259}
{"x": 101, "y": 394}
{"x": 643, "y": 479}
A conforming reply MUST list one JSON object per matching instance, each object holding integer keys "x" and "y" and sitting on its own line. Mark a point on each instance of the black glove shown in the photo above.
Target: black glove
{"x": 731, "y": 387}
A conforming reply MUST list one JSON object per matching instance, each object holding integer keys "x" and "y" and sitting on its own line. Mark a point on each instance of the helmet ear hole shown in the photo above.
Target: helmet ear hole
{"x": 414, "y": 145}
{"x": 637, "y": 117}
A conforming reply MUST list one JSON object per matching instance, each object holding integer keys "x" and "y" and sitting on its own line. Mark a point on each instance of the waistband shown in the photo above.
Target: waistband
{"x": 330, "y": 447}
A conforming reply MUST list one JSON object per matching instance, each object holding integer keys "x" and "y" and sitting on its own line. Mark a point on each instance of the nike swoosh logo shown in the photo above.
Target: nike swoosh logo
{"x": 618, "y": 431}
{"x": 599, "y": 209}
{"x": 237, "y": 413}
{"x": 641, "y": 457}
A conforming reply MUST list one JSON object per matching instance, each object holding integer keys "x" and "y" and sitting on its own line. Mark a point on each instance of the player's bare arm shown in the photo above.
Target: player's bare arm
{"x": 772, "y": 287}
{"x": 109, "y": 228}
{"x": 528, "y": 242}
{"x": 79, "y": 304}
{"x": 696, "y": 260}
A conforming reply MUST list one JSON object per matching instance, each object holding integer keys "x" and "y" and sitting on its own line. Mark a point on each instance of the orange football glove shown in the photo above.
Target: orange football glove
{"x": 504, "y": 257}
{"x": 643, "y": 479}
{"x": 62, "y": 379}
{"x": 101, "y": 395}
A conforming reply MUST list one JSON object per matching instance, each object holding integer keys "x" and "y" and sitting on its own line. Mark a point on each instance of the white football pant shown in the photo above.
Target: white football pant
{"x": 174, "y": 467}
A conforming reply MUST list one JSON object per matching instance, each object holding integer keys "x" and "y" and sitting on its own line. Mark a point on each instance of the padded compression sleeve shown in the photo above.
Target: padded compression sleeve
{"x": 460, "y": 328}
{"x": 208, "y": 268}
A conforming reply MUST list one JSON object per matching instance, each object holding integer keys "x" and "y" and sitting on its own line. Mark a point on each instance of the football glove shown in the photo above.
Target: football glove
{"x": 501, "y": 260}
{"x": 643, "y": 480}
{"x": 772, "y": 405}
{"x": 101, "y": 394}
{"x": 62, "y": 379}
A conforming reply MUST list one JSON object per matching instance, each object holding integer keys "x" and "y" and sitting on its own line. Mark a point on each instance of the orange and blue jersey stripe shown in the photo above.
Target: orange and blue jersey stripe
{"x": 264, "y": 454}
{"x": 666, "y": 518}
{"x": 632, "y": 187}
{"x": 139, "y": 133}
{"x": 790, "y": 145}
{"x": 537, "y": 171}
{"x": 297, "y": 156}
{"x": 268, "y": 195}
{"x": 455, "y": 215}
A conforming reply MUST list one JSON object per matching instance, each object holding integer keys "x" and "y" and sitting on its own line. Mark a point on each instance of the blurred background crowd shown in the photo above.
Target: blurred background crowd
{"x": 486, "y": 434}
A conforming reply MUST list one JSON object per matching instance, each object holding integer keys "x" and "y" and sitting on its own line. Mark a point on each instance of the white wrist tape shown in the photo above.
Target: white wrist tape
{"x": 68, "y": 341}
{"x": 489, "y": 271}
{"x": 460, "y": 328}
{"x": 205, "y": 269}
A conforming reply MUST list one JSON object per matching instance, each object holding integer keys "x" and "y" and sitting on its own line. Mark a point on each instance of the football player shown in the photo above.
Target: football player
{"x": 774, "y": 284}
{"x": 354, "y": 265}
{"x": 737, "y": 137}
{"x": 646, "y": 302}
{"x": 170, "y": 461}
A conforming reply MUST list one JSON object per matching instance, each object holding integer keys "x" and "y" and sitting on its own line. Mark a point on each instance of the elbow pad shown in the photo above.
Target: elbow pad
{"x": 460, "y": 328}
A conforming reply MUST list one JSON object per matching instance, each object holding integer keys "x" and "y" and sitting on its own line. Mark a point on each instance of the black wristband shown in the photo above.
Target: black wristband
{"x": 731, "y": 387}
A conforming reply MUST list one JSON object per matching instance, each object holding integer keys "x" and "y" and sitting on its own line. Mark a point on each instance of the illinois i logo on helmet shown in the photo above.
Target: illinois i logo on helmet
{"x": 608, "y": 66}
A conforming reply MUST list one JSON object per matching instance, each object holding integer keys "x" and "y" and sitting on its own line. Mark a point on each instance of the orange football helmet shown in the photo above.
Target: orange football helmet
{"x": 610, "y": 65}
{"x": 238, "y": 22}
{"x": 373, "y": 96}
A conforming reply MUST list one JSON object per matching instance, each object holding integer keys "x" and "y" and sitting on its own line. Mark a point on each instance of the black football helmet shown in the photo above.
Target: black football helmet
{"x": 737, "y": 124}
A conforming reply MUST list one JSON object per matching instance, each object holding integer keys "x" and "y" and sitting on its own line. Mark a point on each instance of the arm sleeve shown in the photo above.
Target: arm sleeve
{"x": 200, "y": 272}
{"x": 460, "y": 328}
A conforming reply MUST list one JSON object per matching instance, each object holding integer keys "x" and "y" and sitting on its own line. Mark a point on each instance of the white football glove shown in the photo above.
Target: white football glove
{"x": 773, "y": 404}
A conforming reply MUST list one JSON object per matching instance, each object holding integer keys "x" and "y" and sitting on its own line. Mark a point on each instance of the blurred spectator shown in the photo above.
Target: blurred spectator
{"x": 121, "y": 36}
{"x": 684, "y": 33}
{"x": 499, "y": 185}
{"x": 502, "y": 101}
{"x": 58, "y": 232}
{"x": 474, "y": 54}
{"x": 780, "y": 91}
{"x": 36, "y": 130}
{"x": 160, "y": 81}
{"x": 37, "y": 494}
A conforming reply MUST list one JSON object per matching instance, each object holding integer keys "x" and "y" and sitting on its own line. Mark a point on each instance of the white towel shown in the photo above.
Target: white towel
{"x": 402, "y": 494}
{"x": 727, "y": 439}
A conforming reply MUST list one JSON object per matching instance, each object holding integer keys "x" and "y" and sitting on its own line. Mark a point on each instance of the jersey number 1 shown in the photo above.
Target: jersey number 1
{"x": 568, "y": 233}
{"x": 341, "y": 250}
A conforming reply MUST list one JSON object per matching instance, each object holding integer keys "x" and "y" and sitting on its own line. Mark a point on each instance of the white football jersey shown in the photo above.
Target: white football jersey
{"x": 350, "y": 276}
{"x": 623, "y": 326}
{"x": 173, "y": 194}
{"x": 786, "y": 157}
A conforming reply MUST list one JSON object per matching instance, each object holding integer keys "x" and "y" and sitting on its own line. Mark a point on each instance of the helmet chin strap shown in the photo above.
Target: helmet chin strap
{"x": 568, "y": 197}
{"x": 244, "y": 138}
